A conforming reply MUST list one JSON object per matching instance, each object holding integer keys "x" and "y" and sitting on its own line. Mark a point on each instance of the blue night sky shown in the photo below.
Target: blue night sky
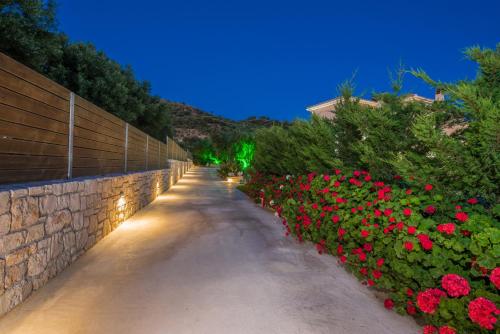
{"x": 274, "y": 58}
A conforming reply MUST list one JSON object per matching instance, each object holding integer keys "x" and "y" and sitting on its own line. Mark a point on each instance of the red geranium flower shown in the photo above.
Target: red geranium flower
{"x": 495, "y": 277}
{"x": 387, "y": 212}
{"x": 412, "y": 229}
{"x": 472, "y": 200}
{"x": 428, "y": 187}
{"x": 429, "y": 300}
{"x": 429, "y": 329}
{"x": 370, "y": 282}
{"x": 326, "y": 178}
{"x": 408, "y": 191}
{"x": 341, "y": 232}
{"x": 483, "y": 312}
{"x": 388, "y": 304}
{"x": 365, "y": 233}
{"x": 340, "y": 249}
{"x": 363, "y": 271}
{"x": 455, "y": 285}
{"x": 380, "y": 262}
{"x": 448, "y": 228}
{"x": 407, "y": 212}
{"x": 376, "y": 274}
{"x": 368, "y": 247}
{"x": 335, "y": 219}
{"x": 409, "y": 292}
{"x": 425, "y": 241}
{"x": 410, "y": 308}
{"x": 430, "y": 210}
{"x": 343, "y": 258}
{"x": 408, "y": 245}
{"x": 461, "y": 216}
{"x": 447, "y": 330}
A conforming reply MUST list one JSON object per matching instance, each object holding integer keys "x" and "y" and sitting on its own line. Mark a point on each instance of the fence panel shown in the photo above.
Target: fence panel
{"x": 136, "y": 156}
{"x": 34, "y": 114}
{"x": 99, "y": 141}
{"x": 46, "y": 132}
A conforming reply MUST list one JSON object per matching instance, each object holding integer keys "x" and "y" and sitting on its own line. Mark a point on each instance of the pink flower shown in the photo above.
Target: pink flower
{"x": 412, "y": 229}
{"x": 428, "y": 300}
{"x": 495, "y": 277}
{"x": 425, "y": 241}
{"x": 455, "y": 285}
{"x": 448, "y": 228}
{"x": 483, "y": 312}
{"x": 335, "y": 219}
{"x": 430, "y": 210}
{"x": 388, "y": 304}
{"x": 461, "y": 216}
{"x": 408, "y": 245}
{"x": 472, "y": 200}
{"x": 326, "y": 178}
{"x": 428, "y": 329}
{"x": 447, "y": 330}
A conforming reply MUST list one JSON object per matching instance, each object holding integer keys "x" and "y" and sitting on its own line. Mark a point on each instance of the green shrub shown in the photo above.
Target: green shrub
{"x": 401, "y": 240}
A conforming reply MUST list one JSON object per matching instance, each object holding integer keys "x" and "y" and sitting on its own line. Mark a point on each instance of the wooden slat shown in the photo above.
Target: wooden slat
{"x": 14, "y": 115}
{"x": 79, "y": 101}
{"x": 9, "y": 81}
{"x": 91, "y": 144}
{"x": 15, "y": 146}
{"x": 27, "y": 175}
{"x": 89, "y": 120}
{"x": 80, "y": 152}
{"x": 18, "y": 131}
{"x": 22, "y": 162}
{"x": 93, "y": 162}
{"x": 10, "y": 65}
{"x": 88, "y": 134}
{"x": 19, "y": 101}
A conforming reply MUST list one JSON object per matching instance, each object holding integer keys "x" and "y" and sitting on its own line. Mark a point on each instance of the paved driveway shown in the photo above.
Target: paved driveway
{"x": 202, "y": 258}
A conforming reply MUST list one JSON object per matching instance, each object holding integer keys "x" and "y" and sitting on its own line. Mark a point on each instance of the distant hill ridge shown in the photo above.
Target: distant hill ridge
{"x": 193, "y": 123}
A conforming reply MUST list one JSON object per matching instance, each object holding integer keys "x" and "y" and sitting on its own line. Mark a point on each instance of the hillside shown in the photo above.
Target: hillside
{"x": 190, "y": 123}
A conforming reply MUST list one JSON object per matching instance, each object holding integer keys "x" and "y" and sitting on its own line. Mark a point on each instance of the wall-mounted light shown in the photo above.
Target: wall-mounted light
{"x": 121, "y": 205}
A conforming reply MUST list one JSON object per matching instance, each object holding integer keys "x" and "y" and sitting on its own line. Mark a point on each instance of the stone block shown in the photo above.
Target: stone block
{"x": 10, "y": 299}
{"x": 35, "y": 233}
{"x": 15, "y": 274}
{"x": 57, "y": 221}
{"x": 77, "y": 221}
{"x": 5, "y": 220}
{"x": 17, "y": 256}
{"x": 18, "y": 193}
{"x": 2, "y": 276}
{"x": 36, "y": 191}
{"x": 81, "y": 239}
{"x": 4, "y": 202}
{"x": 74, "y": 202}
{"x": 63, "y": 202}
{"x": 69, "y": 240}
{"x": 70, "y": 187}
{"x": 10, "y": 242}
{"x": 56, "y": 246}
{"x": 48, "y": 205}
{"x": 37, "y": 263}
{"x": 24, "y": 212}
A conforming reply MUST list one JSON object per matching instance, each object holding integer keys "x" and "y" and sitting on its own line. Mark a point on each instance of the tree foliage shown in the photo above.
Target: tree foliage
{"x": 30, "y": 35}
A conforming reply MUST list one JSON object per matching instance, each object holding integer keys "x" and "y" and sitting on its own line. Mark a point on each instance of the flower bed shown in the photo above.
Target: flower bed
{"x": 435, "y": 259}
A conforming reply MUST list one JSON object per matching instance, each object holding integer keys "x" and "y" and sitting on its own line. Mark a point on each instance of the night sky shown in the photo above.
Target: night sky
{"x": 274, "y": 58}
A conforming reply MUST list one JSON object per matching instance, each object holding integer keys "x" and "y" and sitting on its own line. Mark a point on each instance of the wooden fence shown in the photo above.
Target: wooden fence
{"x": 47, "y": 132}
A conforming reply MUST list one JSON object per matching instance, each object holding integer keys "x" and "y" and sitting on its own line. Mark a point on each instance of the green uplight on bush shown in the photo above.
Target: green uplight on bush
{"x": 244, "y": 153}
{"x": 209, "y": 157}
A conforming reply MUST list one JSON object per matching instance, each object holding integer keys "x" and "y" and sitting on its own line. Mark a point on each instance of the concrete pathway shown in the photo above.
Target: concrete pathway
{"x": 203, "y": 258}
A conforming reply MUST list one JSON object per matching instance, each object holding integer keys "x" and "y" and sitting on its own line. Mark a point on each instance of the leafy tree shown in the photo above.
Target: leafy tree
{"x": 467, "y": 161}
{"x": 29, "y": 34}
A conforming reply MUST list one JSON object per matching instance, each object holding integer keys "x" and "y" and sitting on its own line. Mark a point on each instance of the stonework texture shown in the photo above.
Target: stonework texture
{"x": 44, "y": 228}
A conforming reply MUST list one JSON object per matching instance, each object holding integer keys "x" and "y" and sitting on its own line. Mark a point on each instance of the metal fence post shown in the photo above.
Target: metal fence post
{"x": 70, "y": 133}
{"x": 147, "y": 150}
{"x": 126, "y": 149}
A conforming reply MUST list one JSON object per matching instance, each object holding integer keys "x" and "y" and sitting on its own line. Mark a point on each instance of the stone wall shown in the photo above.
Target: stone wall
{"x": 44, "y": 228}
